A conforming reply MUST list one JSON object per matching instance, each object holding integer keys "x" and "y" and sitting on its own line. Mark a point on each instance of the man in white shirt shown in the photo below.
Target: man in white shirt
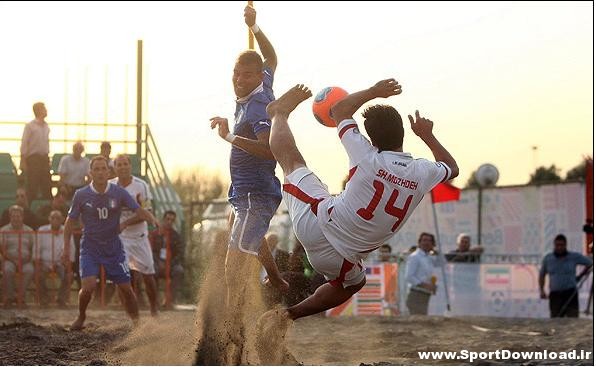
{"x": 385, "y": 186}
{"x": 16, "y": 250}
{"x": 419, "y": 275}
{"x": 50, "y": 248}
{"x": 74, "y": 169}
{"x": 134, "y": 233}
{"x": 35, "y": 150}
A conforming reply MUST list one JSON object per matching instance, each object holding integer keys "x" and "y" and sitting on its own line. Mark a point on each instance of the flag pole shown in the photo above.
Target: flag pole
{"x": 442, "y": 258}
{"x": 251, "y": 37}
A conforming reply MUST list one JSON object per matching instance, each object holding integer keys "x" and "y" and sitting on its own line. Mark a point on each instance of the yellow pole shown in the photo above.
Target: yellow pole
{"x": 251, "y": 37}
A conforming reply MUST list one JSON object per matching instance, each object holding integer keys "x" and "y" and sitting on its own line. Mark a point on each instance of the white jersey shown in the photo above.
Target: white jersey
{"x": 139, "y": 190}
{"x": 383, "y": 190}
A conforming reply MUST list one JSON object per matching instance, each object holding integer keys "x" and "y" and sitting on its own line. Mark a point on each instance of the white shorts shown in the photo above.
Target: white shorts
{"x": 138, "y": 254}
{"x": 302, "y": 193}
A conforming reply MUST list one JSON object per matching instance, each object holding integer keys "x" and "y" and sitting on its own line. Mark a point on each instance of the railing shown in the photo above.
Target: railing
{"x": 36, "y": 255}
{"x": 164, "y": 195}
{"x": 122, "y": 136}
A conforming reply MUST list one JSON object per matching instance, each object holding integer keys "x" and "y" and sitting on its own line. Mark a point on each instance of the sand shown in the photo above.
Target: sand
{"x": 41, "y": 337}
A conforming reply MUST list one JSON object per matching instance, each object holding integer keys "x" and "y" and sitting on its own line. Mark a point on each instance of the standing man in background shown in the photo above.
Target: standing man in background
{"x": 560, "y": 265}
{"x": 419, "y": 275}
{"x": 35, "y": 150}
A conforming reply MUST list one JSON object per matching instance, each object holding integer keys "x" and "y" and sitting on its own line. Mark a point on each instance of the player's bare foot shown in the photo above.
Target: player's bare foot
{"x": 288, "y": 102}
{"x": 78, "y": 324}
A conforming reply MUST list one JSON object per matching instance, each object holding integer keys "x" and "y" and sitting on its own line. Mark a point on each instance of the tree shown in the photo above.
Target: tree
{"x": 577, "y": 173}
{"x": 472, "y": 183}
{"x": 545, "y": 175}
{"x": 197, "y": 185}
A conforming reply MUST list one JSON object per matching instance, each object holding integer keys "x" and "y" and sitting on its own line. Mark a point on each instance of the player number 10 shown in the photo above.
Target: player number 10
{"x": 390, "y": 208}
{"x": 102, "y": 213}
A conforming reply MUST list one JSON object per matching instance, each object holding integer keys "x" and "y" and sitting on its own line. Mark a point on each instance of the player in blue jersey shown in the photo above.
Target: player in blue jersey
{"x": 99, "y": 205}
{"x": 255, "y": 192}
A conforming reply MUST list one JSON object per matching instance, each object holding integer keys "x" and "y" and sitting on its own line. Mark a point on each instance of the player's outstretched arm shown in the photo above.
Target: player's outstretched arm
{"x": 250, "y": 18}
{"x": 345, "y": 108}
{"x": 259, "y": 147}
{"x": 424, "y": 129}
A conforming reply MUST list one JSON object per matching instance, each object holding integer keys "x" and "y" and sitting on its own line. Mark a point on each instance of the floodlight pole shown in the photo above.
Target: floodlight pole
{"x": 139, "y": 96}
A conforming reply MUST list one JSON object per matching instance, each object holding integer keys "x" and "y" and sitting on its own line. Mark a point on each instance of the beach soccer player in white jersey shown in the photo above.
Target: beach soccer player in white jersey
{"x": 385, "y": 186}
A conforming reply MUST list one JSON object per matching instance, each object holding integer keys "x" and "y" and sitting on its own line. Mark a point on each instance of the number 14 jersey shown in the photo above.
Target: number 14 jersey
{"x": 383, "y": 190}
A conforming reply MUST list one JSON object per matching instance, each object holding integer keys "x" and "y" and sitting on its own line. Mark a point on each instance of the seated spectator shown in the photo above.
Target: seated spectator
{"x": 159, "y": 239}
{"x": 16, "y": 247}
{"x": 74, "y": 170}
{"x": 384, "y": 254}
{"x": 301, "y": 277}
{"x": 30, "y": 219}
{"x": 58, "y": 203}
{"x": 50, "y": 247}
{"x": 106, "y": 149}
{"x": 465, "y": 253}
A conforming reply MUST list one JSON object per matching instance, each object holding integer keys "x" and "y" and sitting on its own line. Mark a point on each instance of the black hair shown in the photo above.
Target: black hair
{"x": 384, "y": 126}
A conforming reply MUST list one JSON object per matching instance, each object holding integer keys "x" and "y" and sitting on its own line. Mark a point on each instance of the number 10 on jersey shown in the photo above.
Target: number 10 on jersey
{"x": 102, "y": 213}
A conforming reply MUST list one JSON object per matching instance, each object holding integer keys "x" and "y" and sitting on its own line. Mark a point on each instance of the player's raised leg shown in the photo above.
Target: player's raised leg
{"x": 281, "y": 141}
{"x": 325, "y": 298}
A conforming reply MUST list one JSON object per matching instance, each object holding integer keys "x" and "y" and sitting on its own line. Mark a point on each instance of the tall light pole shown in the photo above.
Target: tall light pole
{"x": 535, "y": 156}
{"x": 486, "y": 175}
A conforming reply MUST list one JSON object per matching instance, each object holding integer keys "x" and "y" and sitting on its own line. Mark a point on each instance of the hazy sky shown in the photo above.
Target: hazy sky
{"x": 496, "y": 78}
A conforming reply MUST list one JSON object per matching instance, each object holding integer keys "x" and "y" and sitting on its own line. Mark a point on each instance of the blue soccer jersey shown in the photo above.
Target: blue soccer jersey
{"x": 100, "y": 214}
{"x": 250, "y": 173}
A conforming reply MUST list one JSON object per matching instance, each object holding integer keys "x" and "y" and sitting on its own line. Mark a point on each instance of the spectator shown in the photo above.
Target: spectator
{"x": 419, "y": 275}
{"x": 105, "y": 149}
{"x": 159, "y": 239}
{"x": 464, "y": 253}
{"x": 74, "y": 170}
{"x": 30, "y": 220}
{"x": 16, "y": 246}
{"x": 58, "y": 203}
{"x": 50, "y": 248}
{"x": 384, "y": 254}
{"x": 35, "y": 150}
{"x": 560, "y": 265}
{"x": 301, "y": 276}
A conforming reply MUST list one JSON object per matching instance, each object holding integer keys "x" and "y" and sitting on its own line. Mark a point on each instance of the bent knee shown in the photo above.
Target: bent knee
{"x": 356, "y": 287}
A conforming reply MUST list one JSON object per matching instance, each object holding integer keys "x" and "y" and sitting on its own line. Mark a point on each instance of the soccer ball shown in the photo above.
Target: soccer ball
{"x": 324, "y": 100}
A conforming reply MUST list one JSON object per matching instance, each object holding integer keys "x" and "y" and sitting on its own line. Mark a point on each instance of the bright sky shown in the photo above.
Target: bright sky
{"x": 496, "y": 78}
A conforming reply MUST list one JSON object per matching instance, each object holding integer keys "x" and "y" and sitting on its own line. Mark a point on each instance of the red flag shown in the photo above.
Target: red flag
{"x": 444, "y": 192}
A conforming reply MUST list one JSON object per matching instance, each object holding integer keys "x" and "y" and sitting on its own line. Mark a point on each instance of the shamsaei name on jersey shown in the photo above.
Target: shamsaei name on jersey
{"x": 413, "y": 185}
